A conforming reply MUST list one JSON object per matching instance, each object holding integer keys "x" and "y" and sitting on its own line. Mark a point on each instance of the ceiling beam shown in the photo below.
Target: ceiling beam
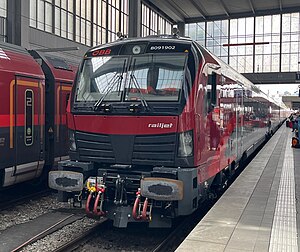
{"x": 272, "y": 78}
{"x": 176, "y": 9}
{"x": 199, "y": 8}
{"x": 225, "y": 8}
{"x": 243, "y": 14}
{"x": 252, "y": 7}
{"x": 159, "y": 10}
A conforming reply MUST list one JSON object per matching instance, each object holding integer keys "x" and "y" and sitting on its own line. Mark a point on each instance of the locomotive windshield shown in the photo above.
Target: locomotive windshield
{"x": 151, "y": 77}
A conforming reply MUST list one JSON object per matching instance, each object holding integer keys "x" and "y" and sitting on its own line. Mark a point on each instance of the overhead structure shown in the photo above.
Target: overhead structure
{"x": 292, "y": 102}
{"x": 207, "y": 10}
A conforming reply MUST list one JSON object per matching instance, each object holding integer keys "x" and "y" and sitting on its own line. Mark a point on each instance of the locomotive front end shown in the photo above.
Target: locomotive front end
{"x": 131, "y": 137}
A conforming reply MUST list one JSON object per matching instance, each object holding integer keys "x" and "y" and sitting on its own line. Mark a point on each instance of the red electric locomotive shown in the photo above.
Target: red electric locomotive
{"x": 156, "y": 125}
{"x": 33, "y": 102}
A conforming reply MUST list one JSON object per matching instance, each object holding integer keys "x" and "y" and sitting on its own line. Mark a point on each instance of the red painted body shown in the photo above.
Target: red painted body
{"x": 218, "y": 125}
{"x": 122, "y": 132}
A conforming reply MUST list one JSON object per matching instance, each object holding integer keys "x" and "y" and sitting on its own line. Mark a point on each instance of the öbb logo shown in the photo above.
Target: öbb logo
{"x": 101, "y": 52}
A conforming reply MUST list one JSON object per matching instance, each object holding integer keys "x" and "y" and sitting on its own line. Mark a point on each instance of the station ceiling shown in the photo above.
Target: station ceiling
{"x": 189, "y": 11}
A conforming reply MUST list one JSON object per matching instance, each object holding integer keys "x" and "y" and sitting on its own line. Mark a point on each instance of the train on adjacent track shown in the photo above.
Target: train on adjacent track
{"x": 158, "y": 125}
{"x": 34, "y": 91}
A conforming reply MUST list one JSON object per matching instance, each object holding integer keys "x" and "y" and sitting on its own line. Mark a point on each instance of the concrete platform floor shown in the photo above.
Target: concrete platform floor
{"x": 260, "y": 211}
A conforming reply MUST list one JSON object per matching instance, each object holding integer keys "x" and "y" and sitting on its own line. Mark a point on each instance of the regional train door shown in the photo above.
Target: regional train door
{"x": 61, "y": 143}
{"x": 28, "y": 130}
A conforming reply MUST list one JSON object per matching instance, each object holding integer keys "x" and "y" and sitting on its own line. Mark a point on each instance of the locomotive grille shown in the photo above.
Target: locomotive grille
{"x": 154, "y": 150}
{"x": 127, "y": 149}
{"x": 94, "y": 147}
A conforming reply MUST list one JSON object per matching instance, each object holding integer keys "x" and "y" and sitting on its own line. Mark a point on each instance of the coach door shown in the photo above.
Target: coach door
{"x": 28, "y": 125}
{"x": 61, "y": 143}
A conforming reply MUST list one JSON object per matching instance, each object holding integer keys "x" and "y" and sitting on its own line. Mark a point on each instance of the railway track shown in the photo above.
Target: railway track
{"x": 82, "y": 238}
{"x": 43, "y": 233}
{"x": 170, "y": 241}
{"x": 45, "y": 229}
{"x": 183, "y": 228}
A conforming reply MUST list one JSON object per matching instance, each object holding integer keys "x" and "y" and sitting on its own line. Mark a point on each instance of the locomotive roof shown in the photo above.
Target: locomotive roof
{"x": 225, "y": 69}
{"x": 152, "y": 38}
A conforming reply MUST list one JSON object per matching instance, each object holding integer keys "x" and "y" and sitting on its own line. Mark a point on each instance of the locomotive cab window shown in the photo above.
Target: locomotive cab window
{"x": 119, "y": 78}
{"x": 158, "y": 77}
{"x": 101, "y": 76}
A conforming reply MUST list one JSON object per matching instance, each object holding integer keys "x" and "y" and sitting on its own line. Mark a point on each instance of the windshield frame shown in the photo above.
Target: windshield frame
{"x": 126, "y": 76}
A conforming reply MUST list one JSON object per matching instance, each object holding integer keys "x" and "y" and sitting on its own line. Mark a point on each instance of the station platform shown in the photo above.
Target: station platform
{"x": 261, "y": 209}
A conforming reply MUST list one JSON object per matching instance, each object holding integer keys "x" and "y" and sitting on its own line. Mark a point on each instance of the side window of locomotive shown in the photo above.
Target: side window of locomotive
{"x": 206, "y": 101}
{"x": 211, "y": 91}
{"x": 29, "y": 117}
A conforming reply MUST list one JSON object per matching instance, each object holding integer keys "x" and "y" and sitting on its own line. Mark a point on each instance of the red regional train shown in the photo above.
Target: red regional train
{"x": 157, "y": 124}
{"x": 34, "y": 90}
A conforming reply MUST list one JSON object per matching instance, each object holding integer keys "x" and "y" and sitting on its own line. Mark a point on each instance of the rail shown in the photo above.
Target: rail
{"x": 173, "y": 240}
{"x": 82, "y": 238}
{"x": 42, "y": 234}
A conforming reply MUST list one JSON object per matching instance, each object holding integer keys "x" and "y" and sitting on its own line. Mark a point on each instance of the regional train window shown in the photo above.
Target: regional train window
{"x": 29, "y": 117}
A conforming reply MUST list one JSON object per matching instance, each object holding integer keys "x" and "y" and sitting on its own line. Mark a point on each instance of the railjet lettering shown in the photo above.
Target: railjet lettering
{"x": 160, "y": 125}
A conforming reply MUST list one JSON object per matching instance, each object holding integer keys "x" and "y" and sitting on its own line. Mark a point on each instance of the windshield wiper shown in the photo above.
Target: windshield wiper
{"x": 121, "y": 77}
{"x": 110, "y": 86}
{"x": 138, "y": 87}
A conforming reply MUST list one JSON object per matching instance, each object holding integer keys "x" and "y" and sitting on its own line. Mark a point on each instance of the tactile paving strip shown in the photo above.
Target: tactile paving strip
{"x": 284, "y": 228}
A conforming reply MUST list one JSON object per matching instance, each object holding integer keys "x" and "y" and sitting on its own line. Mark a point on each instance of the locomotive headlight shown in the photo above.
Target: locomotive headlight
{"x": 186, "y": 144}
{"x": 72, "y": 141}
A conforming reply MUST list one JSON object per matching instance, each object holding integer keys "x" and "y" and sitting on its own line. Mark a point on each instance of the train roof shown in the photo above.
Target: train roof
{"x": 16, "y": 59}
{"x": 151, "y": 38}
{"x": 225, "y": 69}
{"x": 232, "y": 74}
{"x": 59, "y": 67}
